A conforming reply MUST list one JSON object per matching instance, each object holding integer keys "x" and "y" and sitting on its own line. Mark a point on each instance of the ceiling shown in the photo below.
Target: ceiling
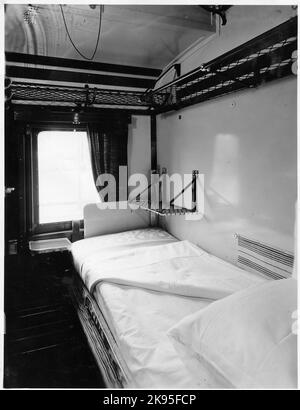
{"x": 139, "y": 35}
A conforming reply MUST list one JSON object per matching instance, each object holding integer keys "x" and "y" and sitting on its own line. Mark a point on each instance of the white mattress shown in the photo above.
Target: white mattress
{"x": 145, "y": 281}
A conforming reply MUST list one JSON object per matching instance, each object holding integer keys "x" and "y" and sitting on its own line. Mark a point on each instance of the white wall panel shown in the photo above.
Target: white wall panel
{"x": 246, "y": 146}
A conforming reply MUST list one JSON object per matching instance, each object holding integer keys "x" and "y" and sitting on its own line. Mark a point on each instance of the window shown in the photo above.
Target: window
{"x": 65, "y": 180}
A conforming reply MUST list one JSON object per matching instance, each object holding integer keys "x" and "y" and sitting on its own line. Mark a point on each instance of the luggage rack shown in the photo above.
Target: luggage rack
{"x": 172, "y": 210}
{"x": 45, "y": 94}
{"x": 267, "y": 57}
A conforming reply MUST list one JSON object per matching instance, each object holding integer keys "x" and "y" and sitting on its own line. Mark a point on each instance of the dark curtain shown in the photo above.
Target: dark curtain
{"x": 108, "y": 150}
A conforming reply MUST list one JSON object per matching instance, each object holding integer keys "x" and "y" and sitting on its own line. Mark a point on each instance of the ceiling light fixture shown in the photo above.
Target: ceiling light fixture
{"x": 76, "y": 119}
{"x": 81, "y": 107}
{"x": 30, "y": 14}
{"x": 220, "y": 10}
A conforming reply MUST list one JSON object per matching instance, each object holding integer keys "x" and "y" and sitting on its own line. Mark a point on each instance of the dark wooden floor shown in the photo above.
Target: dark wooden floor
{"x": 44, "y": 343}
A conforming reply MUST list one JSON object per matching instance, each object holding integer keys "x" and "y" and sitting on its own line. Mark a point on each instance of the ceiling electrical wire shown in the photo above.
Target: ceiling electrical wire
{"x": 98, "y": 36}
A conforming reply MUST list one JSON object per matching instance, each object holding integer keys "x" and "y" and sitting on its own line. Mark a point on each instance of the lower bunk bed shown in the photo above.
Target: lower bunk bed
{"x": 131, "y": 291}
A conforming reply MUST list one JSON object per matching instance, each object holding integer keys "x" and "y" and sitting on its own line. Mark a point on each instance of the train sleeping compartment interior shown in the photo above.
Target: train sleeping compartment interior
{"x": 150, "y": 196}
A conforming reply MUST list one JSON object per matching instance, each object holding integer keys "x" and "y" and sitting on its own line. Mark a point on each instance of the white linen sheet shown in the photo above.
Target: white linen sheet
{"x": 139, "y": 320}
{"x": 109, "y": 245}
{"x": 178, "y": 267}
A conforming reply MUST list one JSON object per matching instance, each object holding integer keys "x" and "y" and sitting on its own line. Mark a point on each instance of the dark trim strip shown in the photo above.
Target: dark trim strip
{"x": 62, "y": 114}
{"x": 80, "y": 64}
{"x": 77, "y": 77}
{"x": 58, "y": 119}
{"x": 153, "y": 142}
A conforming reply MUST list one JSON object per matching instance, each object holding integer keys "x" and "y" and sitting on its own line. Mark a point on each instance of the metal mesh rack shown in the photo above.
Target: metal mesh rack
{"x": 263, "y": 59}
{"x": 48, "y": 93}
{"x": 172, "y": 211}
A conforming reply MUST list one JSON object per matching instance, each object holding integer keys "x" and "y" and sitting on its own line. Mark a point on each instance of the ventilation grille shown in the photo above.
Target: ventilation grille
{"x": 272, "y": 262}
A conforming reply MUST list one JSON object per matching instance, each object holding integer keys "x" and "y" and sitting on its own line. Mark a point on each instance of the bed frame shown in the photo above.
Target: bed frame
{"x": 100, "y": 339}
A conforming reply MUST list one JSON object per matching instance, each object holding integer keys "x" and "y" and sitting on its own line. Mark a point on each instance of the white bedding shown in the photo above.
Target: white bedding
{"x": 178, "y": 267}
{"x": 113, "y": 244}
{"x": 147, "y": 284}
{"x": 139, "y": 319}
{"x": 246, "y": 339}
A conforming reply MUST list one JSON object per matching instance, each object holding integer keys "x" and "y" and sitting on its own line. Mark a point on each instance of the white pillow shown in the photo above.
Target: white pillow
{"x": 245, "y": 340}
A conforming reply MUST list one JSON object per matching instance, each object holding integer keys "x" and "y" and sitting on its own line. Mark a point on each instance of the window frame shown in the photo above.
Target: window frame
{"x": 37, "y": 228}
